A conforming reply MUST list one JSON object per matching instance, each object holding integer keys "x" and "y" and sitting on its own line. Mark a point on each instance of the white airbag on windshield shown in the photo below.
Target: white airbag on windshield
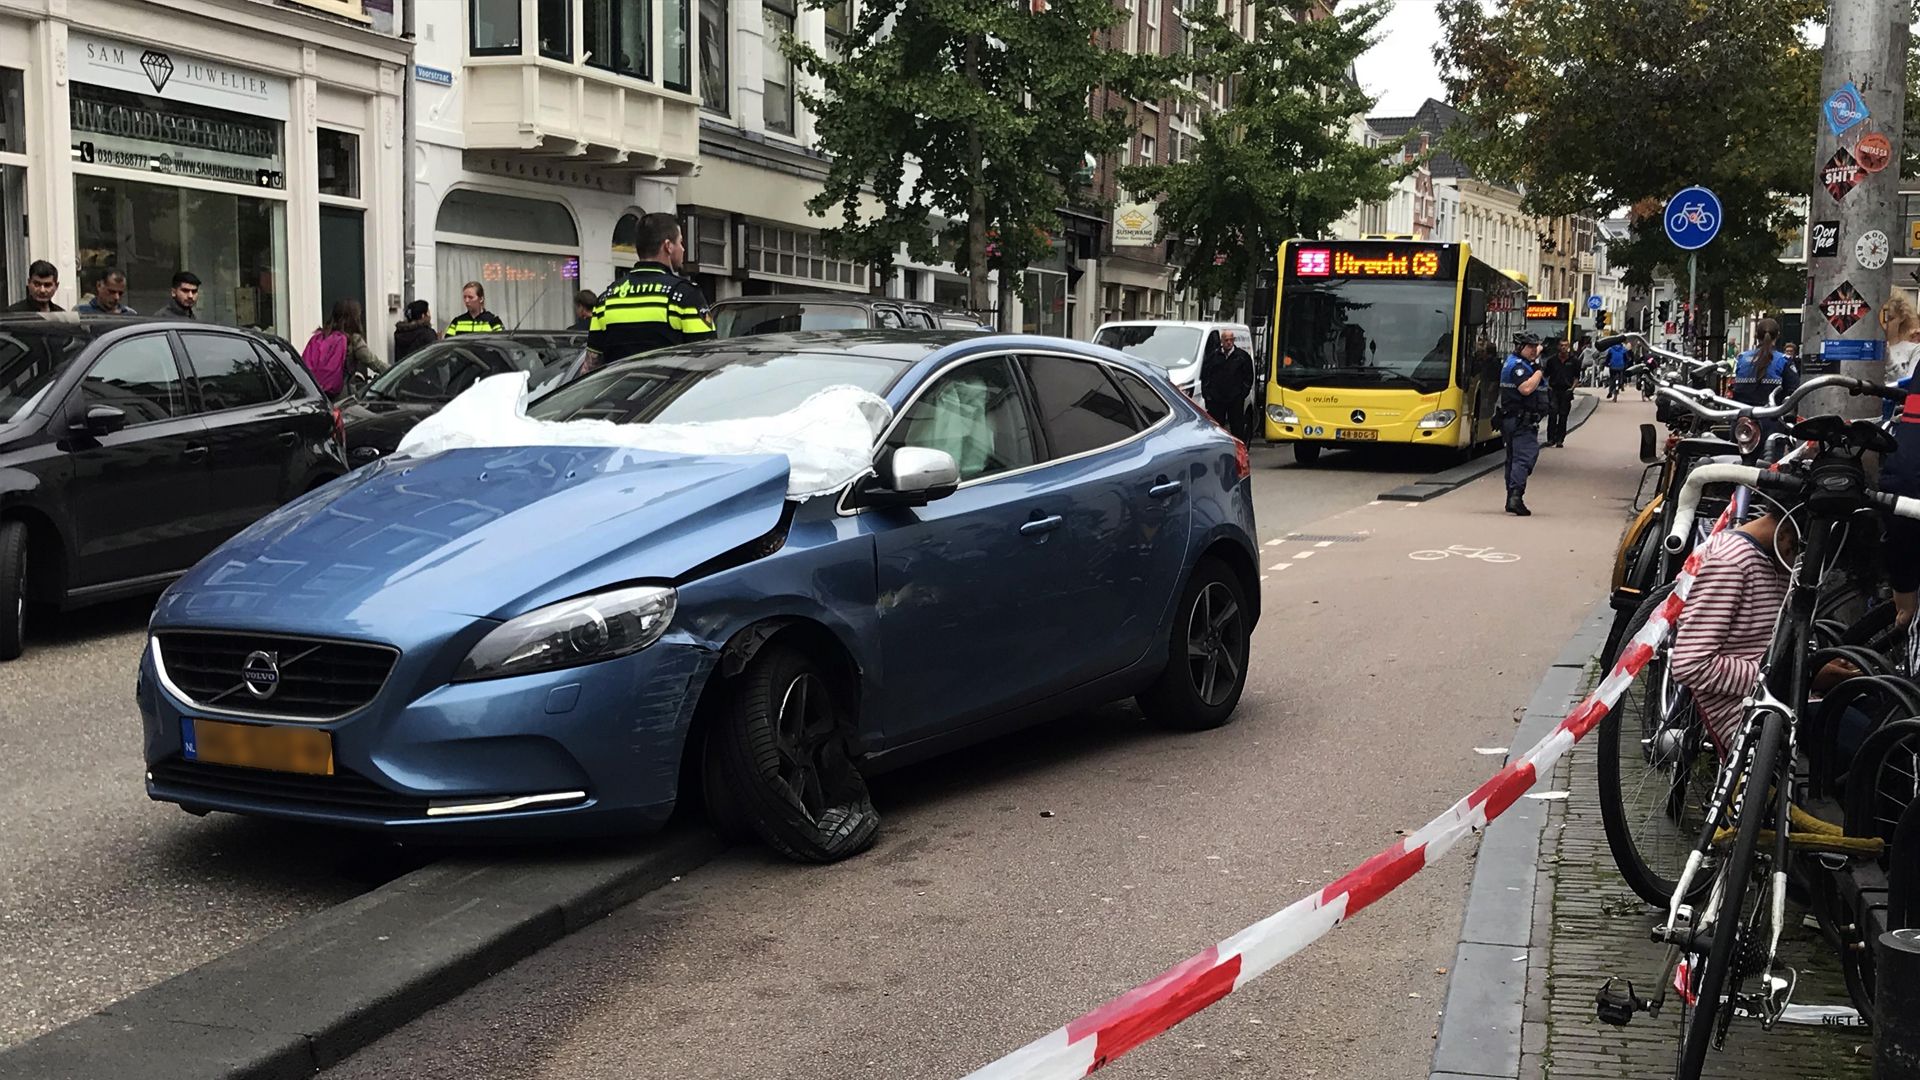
{"x": 827, "y": 439}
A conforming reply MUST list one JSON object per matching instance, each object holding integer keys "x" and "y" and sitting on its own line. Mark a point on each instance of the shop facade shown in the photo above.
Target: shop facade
{"x": 257, "y": 147}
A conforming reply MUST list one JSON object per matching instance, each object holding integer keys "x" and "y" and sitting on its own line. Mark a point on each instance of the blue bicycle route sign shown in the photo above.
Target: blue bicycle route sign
{"x": 1593, "y": 303}
{"x": 1693, "y": 218}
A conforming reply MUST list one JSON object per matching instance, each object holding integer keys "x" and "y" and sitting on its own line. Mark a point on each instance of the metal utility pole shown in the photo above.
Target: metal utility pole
{"x": 1854, "y": 214}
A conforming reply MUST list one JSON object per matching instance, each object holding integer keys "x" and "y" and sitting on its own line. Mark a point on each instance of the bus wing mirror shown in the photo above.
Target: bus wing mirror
{"x": 1476, "y": 302}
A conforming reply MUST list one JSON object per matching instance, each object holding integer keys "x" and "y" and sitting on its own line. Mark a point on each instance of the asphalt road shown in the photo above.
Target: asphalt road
{"x": 103, "y": 893}
{"x": 1019, "y": 884}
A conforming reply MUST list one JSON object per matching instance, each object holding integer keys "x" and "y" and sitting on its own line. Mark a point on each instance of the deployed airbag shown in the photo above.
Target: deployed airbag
{"x": 827, "y": 439}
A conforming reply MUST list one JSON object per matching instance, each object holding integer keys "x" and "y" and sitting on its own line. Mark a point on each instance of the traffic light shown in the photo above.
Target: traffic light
{"x": 1600, "y": 320}
{"x": 1665, "y": 310}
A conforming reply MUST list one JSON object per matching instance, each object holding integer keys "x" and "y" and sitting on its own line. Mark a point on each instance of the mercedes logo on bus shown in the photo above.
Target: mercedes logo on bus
{"x": 1359, "y": 416}
{"x": 261, "y": 674}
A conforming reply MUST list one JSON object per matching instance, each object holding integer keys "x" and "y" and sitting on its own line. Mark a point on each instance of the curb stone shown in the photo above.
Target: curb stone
{"x": 305, "y": 997}
{"x": 1485, "y": 1030}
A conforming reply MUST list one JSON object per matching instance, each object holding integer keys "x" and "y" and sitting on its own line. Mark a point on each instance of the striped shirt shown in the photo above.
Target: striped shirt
{"x": 1725, "y": 627}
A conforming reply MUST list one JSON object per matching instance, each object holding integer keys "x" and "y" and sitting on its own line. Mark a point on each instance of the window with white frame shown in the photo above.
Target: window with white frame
{"x": 716, "y": 68}
{"x": 1150, "y": 44}
{"x": 798, "y": 253}
{"x": 1147, "y": 149}
{"x": 778, "y": 16}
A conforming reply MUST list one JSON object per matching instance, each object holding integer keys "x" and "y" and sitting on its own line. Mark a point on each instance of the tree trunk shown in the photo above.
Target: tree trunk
{"x": 977, "y": 195}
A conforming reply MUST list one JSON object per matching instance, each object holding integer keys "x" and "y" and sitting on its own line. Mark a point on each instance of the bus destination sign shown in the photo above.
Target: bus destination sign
{"x": 1411, "y": 261}
{"x": 1556, "y": 310}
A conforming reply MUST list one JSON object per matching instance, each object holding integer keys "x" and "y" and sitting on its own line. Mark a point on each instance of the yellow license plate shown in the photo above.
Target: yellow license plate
{"x": 258, "y": 746}
{"x": 1362, "y": 434}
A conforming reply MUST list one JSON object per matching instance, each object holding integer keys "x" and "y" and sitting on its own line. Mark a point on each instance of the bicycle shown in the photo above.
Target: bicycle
{"x": 1481, "y": 554}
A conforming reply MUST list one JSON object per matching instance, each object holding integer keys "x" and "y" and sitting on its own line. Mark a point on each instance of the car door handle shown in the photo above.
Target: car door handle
{"x": 288, "y": 438}
{"x": 1038, "y": 526}
{"x": 1165, "y": 488}
{"x": 194, "y": 453}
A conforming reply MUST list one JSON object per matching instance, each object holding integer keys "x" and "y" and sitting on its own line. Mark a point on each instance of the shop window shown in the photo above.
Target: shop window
{"x": 504, "y": 217}
{"x": 495, "y": 29}
{"x": 799, "y": 254}
{"x": 528, "y": 289}
{"x": 13, "y": 111}
{"x": 676, "y": 52}
{"x": 778, "y": 16}
{"x": 626, "y": 242}
{"x": 556, "y": 29}
{"x": 716, "y": 52}
{"x": 619, "y": 36}
{"x": 339, "y": 163}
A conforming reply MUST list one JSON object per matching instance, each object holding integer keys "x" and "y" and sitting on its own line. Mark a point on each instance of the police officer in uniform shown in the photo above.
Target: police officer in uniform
{"x": 1524, "y": 399}
{"x": 652, "y": 306}
{"x": 477, "y": 319}
{"x": 1763, "y": 369}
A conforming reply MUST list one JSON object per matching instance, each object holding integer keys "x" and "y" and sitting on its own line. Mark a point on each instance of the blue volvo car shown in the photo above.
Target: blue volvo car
{"x": 557, "y": 640}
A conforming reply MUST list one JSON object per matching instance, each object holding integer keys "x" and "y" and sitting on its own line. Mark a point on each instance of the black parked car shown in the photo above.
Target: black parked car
{"x": 741, "y": 316}
{"x": 378, "y": 415}
{"x": 130, "y": 448}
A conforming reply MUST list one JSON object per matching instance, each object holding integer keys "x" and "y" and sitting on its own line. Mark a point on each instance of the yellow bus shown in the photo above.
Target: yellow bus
{"x": 1551, "y": 319}
{"x": 1380, "y": 341}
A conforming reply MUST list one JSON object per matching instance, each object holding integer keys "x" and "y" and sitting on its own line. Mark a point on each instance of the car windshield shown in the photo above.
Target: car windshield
{"x": 29, "y": 366}
{"x": 1163, "y": 346}
{"x": 439, "y": 372}
{"x": 678, "y": 388}
{"x": 780, "y": 317}
{"x": 1367, "y": 333}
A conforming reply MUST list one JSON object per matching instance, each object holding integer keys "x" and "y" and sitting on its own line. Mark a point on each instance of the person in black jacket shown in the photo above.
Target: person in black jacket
{"x": 43, "y": 280}
{"x": 1562, "y": 372}
{"x": 414, "y": 331}
{"x": 1226, "y": 378}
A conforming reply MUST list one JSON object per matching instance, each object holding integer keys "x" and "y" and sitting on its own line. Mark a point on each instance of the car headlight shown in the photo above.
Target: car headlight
{"x": 1439, "y": 418}
{"x": 1280, "y": 414}
{"x": 584, "y": 630}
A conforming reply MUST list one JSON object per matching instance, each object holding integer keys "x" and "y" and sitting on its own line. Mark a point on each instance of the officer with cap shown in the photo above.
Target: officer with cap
{"x": 1523, "y": 401}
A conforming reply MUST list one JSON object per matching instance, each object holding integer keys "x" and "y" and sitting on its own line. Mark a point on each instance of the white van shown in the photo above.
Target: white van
{"x": 1178, "y": 347}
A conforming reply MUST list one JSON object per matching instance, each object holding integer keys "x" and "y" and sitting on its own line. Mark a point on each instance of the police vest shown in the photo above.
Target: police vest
{"x": 1512, "y": 401}
{"x": 650, "y": 308}
{"x": 484, "y": 323}
{"x": 1752, "y": 384}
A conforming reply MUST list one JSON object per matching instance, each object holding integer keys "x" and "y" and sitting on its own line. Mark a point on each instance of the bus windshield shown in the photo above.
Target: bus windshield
{"x": 1367, "y": 333}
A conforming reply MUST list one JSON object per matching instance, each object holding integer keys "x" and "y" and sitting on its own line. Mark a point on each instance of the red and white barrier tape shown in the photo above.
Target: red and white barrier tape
{"x": 1096, "y": 1039}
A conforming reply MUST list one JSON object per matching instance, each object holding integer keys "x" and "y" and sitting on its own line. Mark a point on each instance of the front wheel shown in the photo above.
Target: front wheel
{"x": 1206, "y": 667}
{"x": 1306, "y": 453}
{"x": 781, "y": 765}
{"x": 13, "y": 589}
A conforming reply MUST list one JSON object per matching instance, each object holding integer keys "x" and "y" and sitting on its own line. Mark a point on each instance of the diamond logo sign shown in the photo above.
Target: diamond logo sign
{"x": 1841, "y": 175}
{"x": 1843, "y": 307}
{"x": 159, "y": 68}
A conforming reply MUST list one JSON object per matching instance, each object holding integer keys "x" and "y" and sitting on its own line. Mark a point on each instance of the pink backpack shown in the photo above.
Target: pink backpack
{"x": 326, "y": 359}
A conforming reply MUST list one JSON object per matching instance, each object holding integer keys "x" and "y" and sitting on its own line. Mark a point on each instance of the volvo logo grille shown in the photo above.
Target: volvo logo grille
{"x": 1359, "y": 416}
{"x": 261, "y": 674}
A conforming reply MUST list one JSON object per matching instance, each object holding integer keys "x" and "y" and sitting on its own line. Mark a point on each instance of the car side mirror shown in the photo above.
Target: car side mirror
{"x": 909, "y": 476}
{"x": 100, "y": 420}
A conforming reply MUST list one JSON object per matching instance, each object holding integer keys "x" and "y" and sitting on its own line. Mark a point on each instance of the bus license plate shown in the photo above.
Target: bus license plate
{"x": 1361, "y": 434}
{"x": 258, "y": 746}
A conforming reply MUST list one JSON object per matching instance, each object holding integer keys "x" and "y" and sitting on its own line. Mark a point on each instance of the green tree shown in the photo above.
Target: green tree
{"x": 974, "y": 113}
{"x": 1279, "y": 160}
{"x": 1594, "y": 105}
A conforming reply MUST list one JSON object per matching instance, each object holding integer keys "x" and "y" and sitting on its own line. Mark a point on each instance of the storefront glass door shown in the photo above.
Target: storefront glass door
{"x": 236, "y": 244}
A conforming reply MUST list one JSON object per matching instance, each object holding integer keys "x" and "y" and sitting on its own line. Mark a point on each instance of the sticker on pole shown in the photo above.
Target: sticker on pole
{"x": 1872, "y": 249}
{"x": 1874, "y": 151}
{"x": 1693, "y": 218}
{"x": 1841, "y": 175}
{"x": 1843, "y": 307}
{"x": 1823, "y": 239}
{"x": 1845, "y": 109}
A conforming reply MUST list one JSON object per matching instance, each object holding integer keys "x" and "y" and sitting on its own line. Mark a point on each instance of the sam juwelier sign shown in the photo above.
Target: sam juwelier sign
{"x": 176, "y": 76}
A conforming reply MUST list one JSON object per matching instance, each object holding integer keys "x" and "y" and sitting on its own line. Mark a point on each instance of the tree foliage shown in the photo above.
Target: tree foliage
{"x": 1279, "y": 161}
{"x": 1594, "y": 105}
{"x": 965, "y": 120}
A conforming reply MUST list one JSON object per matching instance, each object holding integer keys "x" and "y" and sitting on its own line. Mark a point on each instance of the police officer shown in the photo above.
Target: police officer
{"x": 1524, "y": 399}
{"x": 477, "y": 319}
{"x": 1761, "y": 370}
{"x": 652, "y": 306}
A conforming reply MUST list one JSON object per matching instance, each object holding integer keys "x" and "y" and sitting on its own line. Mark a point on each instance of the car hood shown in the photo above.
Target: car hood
{"x": 486, "y": 532}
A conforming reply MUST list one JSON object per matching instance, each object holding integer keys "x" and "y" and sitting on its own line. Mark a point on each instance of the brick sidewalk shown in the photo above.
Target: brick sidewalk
{"x": 1599, "y": 929}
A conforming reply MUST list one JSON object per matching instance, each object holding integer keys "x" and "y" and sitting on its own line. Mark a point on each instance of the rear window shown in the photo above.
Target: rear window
{"x": 29, "y": 365}
{"x": 1080, "y": 409}
{"x": 678, "y": 388}
{"x": 1145, "y": 398}
{"x": 782, "y": 317}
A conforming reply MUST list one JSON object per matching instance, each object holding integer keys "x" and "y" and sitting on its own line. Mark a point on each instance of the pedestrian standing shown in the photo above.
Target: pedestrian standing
{"x": 1616, "y": 370}
{"x": 1589, "y": 362}
{"x": 651, "y": 306}
{"x": 1561, "y": 375}
{"x": 1763, "y": 369}
{"x": 185, "y": 296}
{"x": 338, "y": 351}
{"x": 109, "y": 295}
{"x": 1226, "y": 378}
{"x": 43, "y": 280}
{"x": 477, "y": 319}
{"x": 583, "y": 302}
{"x": 414, "y": 331}
{"x": 1523, "y": 401}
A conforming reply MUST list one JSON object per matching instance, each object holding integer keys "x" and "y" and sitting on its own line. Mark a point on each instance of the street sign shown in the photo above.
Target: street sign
{"x": 1593, "y": 303}
{"x": 1693, "y": 218}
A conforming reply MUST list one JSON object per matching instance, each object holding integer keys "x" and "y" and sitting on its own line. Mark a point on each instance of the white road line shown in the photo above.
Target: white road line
{"x": 1324, "y": 543}
{"x": 1276, "y": 543}
{"x": 1409, "y": 505}
{"x": 1303, "y": 554}
{"x": 1281, "y": 566}
{"x": 1376, "y": 502}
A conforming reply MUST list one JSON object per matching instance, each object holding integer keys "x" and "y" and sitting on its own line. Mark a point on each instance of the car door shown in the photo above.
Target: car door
{"x": 969, "y": 585}
{"x": 1125, "y": 497}
{"x": 139, "y": 495}
{"x": 254, "y": 423}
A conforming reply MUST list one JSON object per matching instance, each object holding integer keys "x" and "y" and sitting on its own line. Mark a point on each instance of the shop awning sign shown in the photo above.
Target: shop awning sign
{"x": 176, "y": 76}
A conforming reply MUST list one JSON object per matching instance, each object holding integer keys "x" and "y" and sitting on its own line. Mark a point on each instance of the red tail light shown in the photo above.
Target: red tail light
{"x": 1242, "y": 460}
{"x": 340, "y": 430}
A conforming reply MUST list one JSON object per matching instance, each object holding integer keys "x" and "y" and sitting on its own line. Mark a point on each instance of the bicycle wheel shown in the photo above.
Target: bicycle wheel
{"x": 1717, "y": 983}
{"x": 1656, "y": 771}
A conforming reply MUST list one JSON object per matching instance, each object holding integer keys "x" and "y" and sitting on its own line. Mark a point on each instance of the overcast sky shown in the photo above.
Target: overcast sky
{"x": 1400, "y": 70}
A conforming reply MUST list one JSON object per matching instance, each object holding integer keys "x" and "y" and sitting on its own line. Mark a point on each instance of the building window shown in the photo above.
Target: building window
{"x": 619, "y": 36}
{"x": 676, "y": 49}
{"x": 716, "y": 48}
{"x": 530, "y": 279}
{"x": 495, "y": 27}
{"x": 1147, "y": 149}
{"x": 236, "y": 243}
{"x": 839, "y": 25}
{"x": 339, "y": 163}
{"x": 778, "y": 15}
{"x": 1150, "y": 44}
{"x": 556, "y": 29}
{"x": 794, "y": 253}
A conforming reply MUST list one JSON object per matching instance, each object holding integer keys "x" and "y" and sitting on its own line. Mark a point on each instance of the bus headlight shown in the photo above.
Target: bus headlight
{"x": 1438, "y": 419}
{"x": 1280, "y": 414}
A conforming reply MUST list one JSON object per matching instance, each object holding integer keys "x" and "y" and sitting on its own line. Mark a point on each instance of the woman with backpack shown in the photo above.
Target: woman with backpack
{"x": 339, "y": 349}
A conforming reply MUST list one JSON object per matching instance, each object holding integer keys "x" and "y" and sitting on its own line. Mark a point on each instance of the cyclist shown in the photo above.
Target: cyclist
{"x": 1763, "y": 369}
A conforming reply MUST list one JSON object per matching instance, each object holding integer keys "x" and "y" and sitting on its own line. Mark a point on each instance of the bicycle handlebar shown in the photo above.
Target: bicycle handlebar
{"x": 1755, "y": 477}
{"x": 1852, "y": 385}
{"x": 1634, "y": 335}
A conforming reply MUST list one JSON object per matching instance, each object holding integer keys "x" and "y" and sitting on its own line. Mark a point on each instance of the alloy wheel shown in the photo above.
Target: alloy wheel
{"x": 804, "y": 738}
{"x": 1216, "y": 644}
